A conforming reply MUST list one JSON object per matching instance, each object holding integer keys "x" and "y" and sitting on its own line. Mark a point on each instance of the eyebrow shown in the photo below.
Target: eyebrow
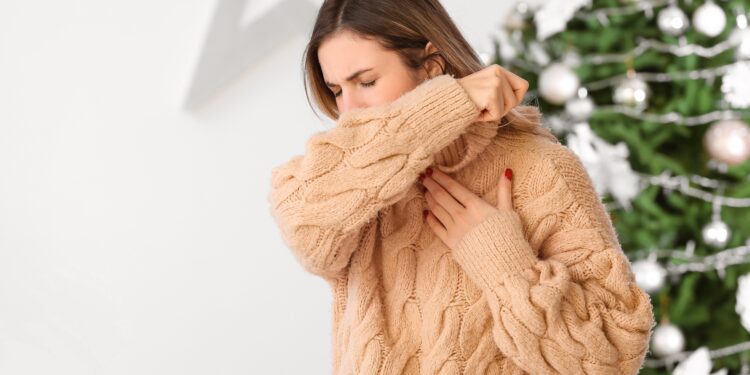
{"x": 351, "y": 77}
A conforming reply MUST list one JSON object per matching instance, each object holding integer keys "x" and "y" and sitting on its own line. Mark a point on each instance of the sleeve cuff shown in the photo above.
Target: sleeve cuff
{"x": 495, "y": 249}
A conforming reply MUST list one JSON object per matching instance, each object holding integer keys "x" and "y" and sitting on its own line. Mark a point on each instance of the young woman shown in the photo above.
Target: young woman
{"x": 516, "y": 267}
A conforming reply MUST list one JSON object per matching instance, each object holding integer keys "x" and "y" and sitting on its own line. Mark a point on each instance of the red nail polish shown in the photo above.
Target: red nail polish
{"x": 429, "y": 171}
{"x": 509, "y": 173}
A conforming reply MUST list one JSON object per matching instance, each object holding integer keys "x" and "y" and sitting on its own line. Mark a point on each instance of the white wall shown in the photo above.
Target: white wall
{"x": 135, "y": 236}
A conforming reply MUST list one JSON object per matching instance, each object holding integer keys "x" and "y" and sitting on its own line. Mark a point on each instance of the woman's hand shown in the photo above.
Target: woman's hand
{"x": 454, "y": 209}
{"x": 495, "y": 91}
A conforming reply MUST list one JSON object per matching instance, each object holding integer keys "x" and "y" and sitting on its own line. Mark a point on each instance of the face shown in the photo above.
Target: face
{"x": 361, "y": 73}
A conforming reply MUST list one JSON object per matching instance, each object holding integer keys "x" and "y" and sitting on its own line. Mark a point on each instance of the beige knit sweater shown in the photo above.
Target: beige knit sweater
{"x": 541, "y": 289}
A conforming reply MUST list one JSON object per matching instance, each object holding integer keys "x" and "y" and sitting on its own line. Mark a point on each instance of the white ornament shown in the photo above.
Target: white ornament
{"x": 728, "y": 141}
{"x": 554, "y": 15}
{"x": 716, "y": 234}
{"x": 558, "y": 83}
{"x": 581, "y": 107}
{"x": 709, "y": 19}
{"x": 607, "y": 165}
{"x": 632, "y": 92}
{"x": 507, "y": 50}
{"x": 667, "y": 340}
{"x": 698, "y": 363}
{"x": 649, "y": 274}
{"x": 735, "y": 86}
{"x": 673, "y": 21}
{"x": 556, "y": 124}
{"x": 742, "y": 307}
{"x": 741, "y": 37}
{"x": 538, "y": 54}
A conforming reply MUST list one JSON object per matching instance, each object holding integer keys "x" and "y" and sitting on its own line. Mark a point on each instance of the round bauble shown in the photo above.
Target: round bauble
{"x": 558, "y": 83}
{"x": 673, "y": 21}
{"x": 709, "y": 19}
{"x": 728, "y": 141}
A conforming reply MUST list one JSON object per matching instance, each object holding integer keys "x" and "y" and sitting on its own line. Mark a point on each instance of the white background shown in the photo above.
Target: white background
{"x": 135, "y": 236}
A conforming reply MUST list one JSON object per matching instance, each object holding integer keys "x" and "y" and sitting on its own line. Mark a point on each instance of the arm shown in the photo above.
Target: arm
{"x": 323, "y": 200}
{"x": 574, "y": 308}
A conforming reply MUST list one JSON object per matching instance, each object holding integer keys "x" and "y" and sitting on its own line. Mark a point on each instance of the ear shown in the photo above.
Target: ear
{"x": 435, "y": 65}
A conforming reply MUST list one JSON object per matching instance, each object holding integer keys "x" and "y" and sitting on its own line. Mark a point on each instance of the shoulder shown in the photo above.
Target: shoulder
{"x": 557, "y": 183}
{"x": 546, "y": 167}
{"x": 561, "y": 162}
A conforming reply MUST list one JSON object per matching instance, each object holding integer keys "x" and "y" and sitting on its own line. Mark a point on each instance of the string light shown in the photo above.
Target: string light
{"x": 682, "y": 183}
{"x": 605, "y": 13}
{"x": 708, "y": 73}
{"x": 674, "y": 117}
{"x": 645, "y": 45}
{"x": 715, "y": 353}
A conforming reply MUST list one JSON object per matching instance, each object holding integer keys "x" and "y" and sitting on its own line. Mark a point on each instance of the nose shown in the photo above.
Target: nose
{"x": 350, "y": 101}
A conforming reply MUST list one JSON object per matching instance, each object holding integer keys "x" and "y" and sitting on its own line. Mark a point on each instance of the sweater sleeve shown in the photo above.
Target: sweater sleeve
{"x": 323, "y": 200}
{"x": 563, "y": 301}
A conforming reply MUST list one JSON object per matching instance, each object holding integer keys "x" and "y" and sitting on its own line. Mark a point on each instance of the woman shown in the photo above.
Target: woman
{"x": 516, "y": 268}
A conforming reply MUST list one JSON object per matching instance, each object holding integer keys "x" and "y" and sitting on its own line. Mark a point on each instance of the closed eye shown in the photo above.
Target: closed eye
{"x": 364, "y": 84}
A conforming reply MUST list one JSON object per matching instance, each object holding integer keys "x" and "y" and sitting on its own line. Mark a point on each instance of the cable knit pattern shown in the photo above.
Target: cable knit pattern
{"x": 541, "y": 289}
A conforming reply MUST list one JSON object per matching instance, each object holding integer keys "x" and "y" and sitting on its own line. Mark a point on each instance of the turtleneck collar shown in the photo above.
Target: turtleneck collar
{"x": 465, "y": 148}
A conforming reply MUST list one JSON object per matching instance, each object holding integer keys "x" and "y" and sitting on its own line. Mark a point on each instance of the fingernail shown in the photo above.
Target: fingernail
{"x": 429, "y": 171}
{"x": 509, "y": 173}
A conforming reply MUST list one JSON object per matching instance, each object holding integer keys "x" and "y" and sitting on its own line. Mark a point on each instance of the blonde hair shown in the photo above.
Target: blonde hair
{"x": 405, "y": 27}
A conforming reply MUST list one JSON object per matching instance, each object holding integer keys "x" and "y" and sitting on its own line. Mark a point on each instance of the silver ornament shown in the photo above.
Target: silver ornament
{"x": 649, "y": 274}
{"x": 666, "y": 340}
{"x": 581, "y": 107}
{"x": 632, "y": 92}
{"x": 558, "y": 83}
{"x": 673, "y": 21}
{"x": 728, "y": 141}
{"x": 716, "y": 234}
{"x": 709, "y": 19}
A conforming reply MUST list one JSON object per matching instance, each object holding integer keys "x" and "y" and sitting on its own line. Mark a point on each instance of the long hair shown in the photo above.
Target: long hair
{"x": 405, "y": 27}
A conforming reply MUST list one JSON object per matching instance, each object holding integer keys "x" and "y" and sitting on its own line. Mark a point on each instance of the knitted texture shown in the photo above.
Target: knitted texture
{"x": 541, "y": 289}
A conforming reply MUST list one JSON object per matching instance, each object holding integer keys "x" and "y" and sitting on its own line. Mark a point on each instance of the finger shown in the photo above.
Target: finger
{"x": 442, "y": 196}
{"x": 490, "y": 112}
{"x": 492, "y": 107}
{"x": 458, "y": 191}
{"x": 519, "y": 85}
{"x": 509, "y": 97}
{"x": 437, "y": 227}
{"x": 438, "y": 210}
{"x": 504, "y": 191}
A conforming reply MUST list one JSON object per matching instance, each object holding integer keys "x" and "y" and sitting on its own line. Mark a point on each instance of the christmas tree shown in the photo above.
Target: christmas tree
{"x": 654, "y": 97}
